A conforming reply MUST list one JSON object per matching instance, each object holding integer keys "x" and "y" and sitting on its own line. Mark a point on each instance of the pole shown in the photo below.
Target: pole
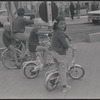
{"x": 49, "y": 14}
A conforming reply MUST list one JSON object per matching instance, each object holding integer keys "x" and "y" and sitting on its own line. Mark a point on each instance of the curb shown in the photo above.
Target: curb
{"x": 79, "y": 23}
{"x": 82, "y": 20}
{"x": 76, "y": 17}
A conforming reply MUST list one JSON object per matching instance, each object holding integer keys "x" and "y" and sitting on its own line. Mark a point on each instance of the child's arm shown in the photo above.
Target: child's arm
{"x": 7, "y": 34}
{"x": 68, "y": 37}
{"x": 72, "y": 46}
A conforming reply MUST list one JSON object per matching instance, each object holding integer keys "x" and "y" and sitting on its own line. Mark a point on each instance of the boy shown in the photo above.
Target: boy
{"x": 34, "y": 46}
{"x": 19, "y": 24}
{"x": 8, "y": 43}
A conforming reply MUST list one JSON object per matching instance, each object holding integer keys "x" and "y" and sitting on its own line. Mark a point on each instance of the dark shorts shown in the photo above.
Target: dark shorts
{"x": 32, "y": 48}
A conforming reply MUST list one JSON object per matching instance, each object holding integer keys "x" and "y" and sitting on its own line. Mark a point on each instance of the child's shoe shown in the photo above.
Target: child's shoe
{"x": 65, "y": 89}
{"x": 18, "y": 66}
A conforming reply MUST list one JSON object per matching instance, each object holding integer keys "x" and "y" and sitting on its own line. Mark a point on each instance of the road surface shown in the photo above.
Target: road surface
{"x": 13, "y": 83}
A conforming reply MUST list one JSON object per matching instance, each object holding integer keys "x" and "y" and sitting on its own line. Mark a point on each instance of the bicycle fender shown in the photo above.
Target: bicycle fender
{"x": 50, "y": 73}
{"x": 3, "y": 52}
{"x": 28, "y": 62}
{"x": 77, "y": 65}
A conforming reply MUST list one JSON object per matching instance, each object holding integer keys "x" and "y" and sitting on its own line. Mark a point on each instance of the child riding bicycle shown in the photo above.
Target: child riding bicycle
{"x": 7, "y": 40}
{"x": 18, "y": 28}
{"x": 60, "y": 47}
{"x": 34, "y": 46}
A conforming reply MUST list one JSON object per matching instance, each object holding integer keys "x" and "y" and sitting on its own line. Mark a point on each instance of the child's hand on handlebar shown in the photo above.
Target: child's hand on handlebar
{"x": 74, "y": 48}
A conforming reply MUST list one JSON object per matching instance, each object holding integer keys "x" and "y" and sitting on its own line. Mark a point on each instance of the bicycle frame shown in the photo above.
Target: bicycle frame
{"x": 73, "y": 55}
{"x": 73, "y": 62}
{"x": 38, "y": 61}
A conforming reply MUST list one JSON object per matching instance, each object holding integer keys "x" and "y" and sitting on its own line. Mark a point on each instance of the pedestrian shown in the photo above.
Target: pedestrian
{"x": 94, "y": 6}
{"x": 34, "y": 46}
{"x": 87, "y": 7}
{"x": 72, "y": 9}
{"x": 7, "y": 40}
{"x": 18, "y": 28}
{"x": 78, "y": 9}
{"x": 60, "y": 48}
{"x": 66, "y": 11}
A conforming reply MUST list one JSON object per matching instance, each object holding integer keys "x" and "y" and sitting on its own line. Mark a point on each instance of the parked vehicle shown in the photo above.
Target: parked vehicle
{"x": 94, "y": 16}
{"x": 3, "y": 17}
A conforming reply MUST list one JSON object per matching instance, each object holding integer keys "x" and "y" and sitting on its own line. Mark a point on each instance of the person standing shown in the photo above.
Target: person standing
{"x": 87, "y": 7}
{"x": 94, "y": 6}
{"x": 72, "y": 9}
{"x": 78, "y": 9}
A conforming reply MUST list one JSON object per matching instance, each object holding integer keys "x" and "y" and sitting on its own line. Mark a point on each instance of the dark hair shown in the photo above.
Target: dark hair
{"x": 59, "y": 18}
{"x": 20, "y": 11}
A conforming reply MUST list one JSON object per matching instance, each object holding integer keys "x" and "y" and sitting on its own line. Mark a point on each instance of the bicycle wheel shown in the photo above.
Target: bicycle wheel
{"x": 30, "y": 70}
{"x": 76, "y": 72}
{"x": 52, "y": 81}
{"x": 8, "y": 59}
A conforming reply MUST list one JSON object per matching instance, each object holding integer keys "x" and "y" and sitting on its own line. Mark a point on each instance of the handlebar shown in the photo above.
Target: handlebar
{"x": 73, "y": 49}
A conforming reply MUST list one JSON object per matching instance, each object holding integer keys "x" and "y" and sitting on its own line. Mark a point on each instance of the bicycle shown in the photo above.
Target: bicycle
{"x": 7, "y": 57}
{"x": 32, "y": 68}
{"x": 75, "y": 71}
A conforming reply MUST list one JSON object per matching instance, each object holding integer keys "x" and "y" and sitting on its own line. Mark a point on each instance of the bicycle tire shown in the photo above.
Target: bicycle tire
{"x": 74, "y": 71}
{"x": 8, "y": 60}
{"x": 32, "y": 73}
{"x": 49, "y": 84}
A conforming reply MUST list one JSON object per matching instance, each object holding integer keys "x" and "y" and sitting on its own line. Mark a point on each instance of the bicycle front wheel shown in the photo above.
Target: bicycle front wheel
{"x": 8, "y": 59}
{"x": 30, "y": 70}
{"x": 51, "y": 81}
{"x": 76, "y": 72}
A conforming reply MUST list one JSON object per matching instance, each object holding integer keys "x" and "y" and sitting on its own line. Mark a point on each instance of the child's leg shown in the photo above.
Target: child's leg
{"x": 23, "y": 37}
{"x": 42, "y": 48}
{"x": 26, "y": 37}
{"x": 33, "y": 54}
{"x": 62, "y": 69}
{"x": 11, "y": 47}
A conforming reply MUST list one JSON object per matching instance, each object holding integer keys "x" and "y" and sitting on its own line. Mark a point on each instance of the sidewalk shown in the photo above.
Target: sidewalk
{"x": 83, "y": 19}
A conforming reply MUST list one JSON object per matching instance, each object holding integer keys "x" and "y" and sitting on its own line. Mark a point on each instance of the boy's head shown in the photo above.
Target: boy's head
{"x": 20, "y": 11}
{"x": 7, "y": 26}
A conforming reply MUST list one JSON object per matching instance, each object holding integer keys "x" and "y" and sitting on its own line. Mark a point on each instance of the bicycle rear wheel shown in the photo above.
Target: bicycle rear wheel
{"x": 76, "y": 72}
{"x": 8, "y": 59}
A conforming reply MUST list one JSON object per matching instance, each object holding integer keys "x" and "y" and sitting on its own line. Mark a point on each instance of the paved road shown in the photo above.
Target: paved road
{"x": 13, "y": 83}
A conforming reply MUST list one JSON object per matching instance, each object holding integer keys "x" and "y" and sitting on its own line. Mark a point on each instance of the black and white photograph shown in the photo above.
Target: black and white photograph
{"x": 50, "y": 49}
